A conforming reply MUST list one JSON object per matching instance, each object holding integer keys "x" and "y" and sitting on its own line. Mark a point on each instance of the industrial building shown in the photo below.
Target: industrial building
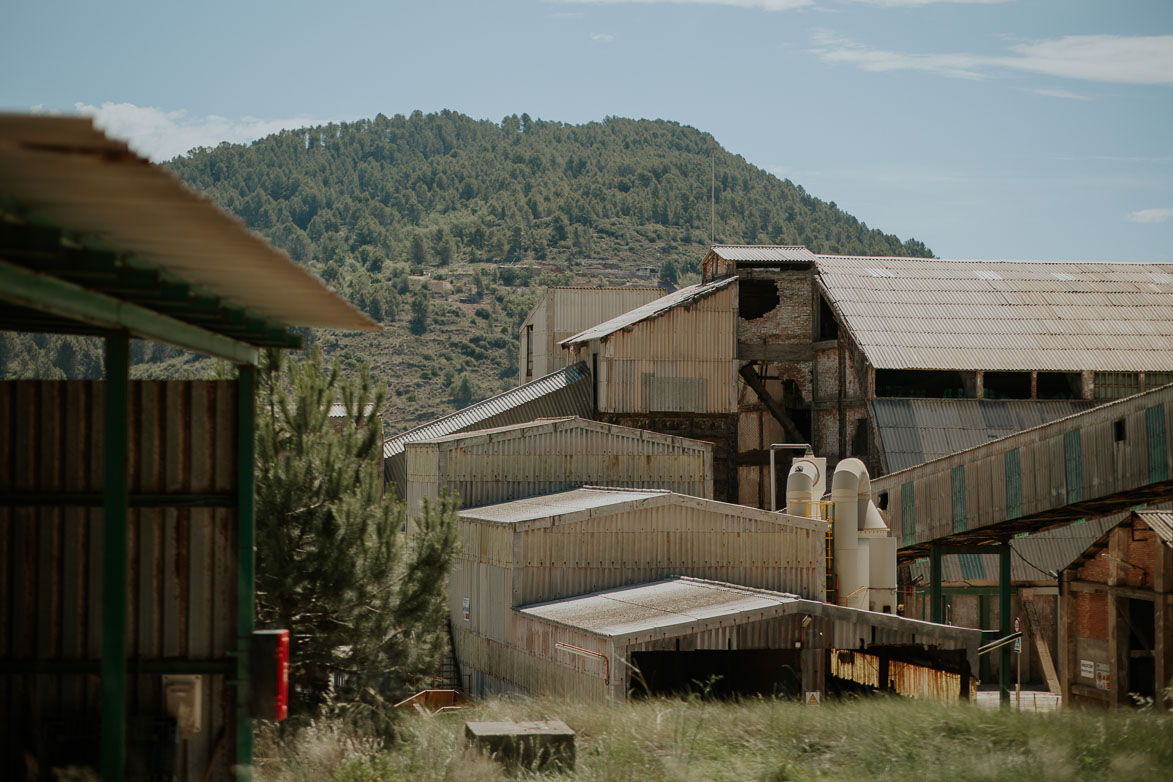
{"x": 1116, "y": 616}
{"x": 550, "y": 455}
{"x": 599, "y": 593}
{"x": 562, "y": 312}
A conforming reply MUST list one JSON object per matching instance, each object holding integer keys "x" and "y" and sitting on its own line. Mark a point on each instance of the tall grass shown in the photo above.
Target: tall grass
{"x": 759, "y": 740}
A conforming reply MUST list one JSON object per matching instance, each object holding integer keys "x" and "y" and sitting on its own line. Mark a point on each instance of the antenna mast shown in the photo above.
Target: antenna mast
{"x": 712, "y": 198}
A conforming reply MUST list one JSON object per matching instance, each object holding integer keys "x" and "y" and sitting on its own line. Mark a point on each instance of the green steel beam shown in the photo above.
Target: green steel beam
{"x": 935, "y": 583}
{"x": 65, "y": 299}
{"x": 1004, "y": 622}
{"x": 246, "y": 385}
{"x": 114, "y": 558}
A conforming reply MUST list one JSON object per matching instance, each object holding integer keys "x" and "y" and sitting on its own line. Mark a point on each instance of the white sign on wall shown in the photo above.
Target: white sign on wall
{"x": 1087, "y": 669}
{"x": 464, "y": 605}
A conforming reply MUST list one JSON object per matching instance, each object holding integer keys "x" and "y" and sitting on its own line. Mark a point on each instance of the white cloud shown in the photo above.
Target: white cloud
{"x": 161, "y": 135}
{"x": 602, "y": 37}
{"x": 833, "y": 48}
{"x": 764, "y": 5}
{"x": 1150, "y": 216}
{"x": 1061, "y": 94}
{"x": 1117, "y": 59}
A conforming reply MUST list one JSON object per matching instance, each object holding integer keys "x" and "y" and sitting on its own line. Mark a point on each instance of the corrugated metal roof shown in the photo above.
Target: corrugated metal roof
{"x": 1160, "y": 522}
{"x": 914, "y": 431}
{"x": 767, "y": 253}
{"x": 63, "y": 170}
{"x": 562, "y": 423}
{"x": 1032, "y": 559}
{"x": 573, "y": 505}
{"x": 689, "y": 604}
{"x": 338, "y": 410}
{"x": 919, "y": 313}
{"x": 680, "y": 298}
{"x": 516, "y": 405}
{"x": 673, "y": 601}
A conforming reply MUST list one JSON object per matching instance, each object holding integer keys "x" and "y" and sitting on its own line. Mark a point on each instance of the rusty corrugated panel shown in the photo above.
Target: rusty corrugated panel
{"x": 920, "y": 313}
{"x": 182, "y": 585}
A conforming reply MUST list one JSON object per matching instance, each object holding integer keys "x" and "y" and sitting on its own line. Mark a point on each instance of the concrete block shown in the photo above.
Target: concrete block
{"x": 527, "y": 745}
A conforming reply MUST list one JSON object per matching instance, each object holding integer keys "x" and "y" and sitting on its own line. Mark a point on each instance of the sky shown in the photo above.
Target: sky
{"x": 988, "y": 129}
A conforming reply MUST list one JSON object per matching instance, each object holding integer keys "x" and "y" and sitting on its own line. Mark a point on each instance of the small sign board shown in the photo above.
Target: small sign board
{"x": 1017, "y": 641}
{"x": 1087, "y": 669}
{"x": 813, "y": 698}
{"x": 1103, "y": 676}
{"x": 464, "y": 605}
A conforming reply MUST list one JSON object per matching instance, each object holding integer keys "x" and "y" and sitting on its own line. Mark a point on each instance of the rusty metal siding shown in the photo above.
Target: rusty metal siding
{"x": 182, "y": 588}
{"x": 684, "y": 360}
{"x": 543, "y": 457}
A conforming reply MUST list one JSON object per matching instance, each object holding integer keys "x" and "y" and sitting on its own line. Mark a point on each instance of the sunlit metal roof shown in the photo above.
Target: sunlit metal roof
{"x": 680, "y": 298}
{"x": 62, "y": 173}
{"x": 767, "y": 253}
{"x": 919, "y": 313}
{"x": 1160, "y": 521}
{"x": 566, "y": 392}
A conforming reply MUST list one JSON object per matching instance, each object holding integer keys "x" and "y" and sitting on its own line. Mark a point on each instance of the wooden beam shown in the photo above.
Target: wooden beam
{"x": 754, "y": 381}
{"x": 1040, "y": 641}
{"x": 1123, "y": 591}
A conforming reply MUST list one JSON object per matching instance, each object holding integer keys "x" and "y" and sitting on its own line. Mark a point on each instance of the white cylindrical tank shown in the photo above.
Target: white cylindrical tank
{"x": 850, "y": 564}
{"x": 800, "y": 488}
{"x": 882, "y": 589}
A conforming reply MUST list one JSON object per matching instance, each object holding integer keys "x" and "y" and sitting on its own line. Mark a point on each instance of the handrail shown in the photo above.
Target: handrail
{"x": 992, "y": 645}
{"x": 578, "y": 650}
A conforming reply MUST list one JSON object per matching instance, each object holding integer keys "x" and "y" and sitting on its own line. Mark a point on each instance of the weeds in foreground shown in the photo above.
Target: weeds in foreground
{"x": 754, "y": 740}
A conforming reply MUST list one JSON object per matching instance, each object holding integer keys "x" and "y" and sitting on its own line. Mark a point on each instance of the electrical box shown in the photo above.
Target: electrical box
{"x": 183, "y": 696}
{"x": 269, "y": 675}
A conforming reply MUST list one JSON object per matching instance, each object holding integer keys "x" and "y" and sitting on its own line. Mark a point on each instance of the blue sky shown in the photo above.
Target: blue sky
{"x": 1033, "y": 129}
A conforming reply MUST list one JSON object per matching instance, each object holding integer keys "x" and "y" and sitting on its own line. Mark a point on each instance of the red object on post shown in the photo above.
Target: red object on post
{"x": 269, "y": 668}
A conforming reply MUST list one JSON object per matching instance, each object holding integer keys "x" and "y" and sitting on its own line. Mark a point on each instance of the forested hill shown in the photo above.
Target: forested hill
{"x": 446, "y": 228}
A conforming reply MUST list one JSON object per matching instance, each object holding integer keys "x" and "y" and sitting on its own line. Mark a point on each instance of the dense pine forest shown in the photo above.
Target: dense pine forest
{"x": 445, "y": 229}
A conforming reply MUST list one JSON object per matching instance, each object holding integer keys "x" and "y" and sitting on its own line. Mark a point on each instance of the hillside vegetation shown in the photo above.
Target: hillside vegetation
{"x": 445, "y": 228}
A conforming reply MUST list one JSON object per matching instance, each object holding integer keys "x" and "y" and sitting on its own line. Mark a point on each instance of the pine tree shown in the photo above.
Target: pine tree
{"x": 364, "y": 610}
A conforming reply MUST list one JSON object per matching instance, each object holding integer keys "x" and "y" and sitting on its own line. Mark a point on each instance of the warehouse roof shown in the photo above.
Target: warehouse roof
{"x": 914, "y": 431}
{"x": 762, "y": 253}
{"x": 919, "y": 313}
{"x": 1160, "y": 522}
{"x": 537, "y": 398}
{"x": 682, "y": 604}
{"x": 681, "y": 298}
{"x": 579, "y": 504}
{"x": 86, "y": 209}
{"x": 565, "y": 423}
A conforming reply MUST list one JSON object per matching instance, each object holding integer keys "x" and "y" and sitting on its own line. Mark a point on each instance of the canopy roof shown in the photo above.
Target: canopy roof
{"x": 95, "y": 238}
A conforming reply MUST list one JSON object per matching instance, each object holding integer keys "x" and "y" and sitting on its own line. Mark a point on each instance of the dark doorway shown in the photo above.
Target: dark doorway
{"x": 1142, "y": 670}
{"x": 716, "y": 673}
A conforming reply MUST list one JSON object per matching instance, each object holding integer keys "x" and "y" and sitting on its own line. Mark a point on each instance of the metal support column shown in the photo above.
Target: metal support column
{"x": 246, "y": 555}
{"x": 1004, "y": 623}
{"x": 114, "y": 558}
{"x": 935, "y": 583}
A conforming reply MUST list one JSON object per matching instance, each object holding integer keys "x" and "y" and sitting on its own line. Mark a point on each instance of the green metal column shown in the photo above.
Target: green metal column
{"x": 1004, "y": 622}
{"x": 246, "y": 385}
{"x": 114, "y": 558}
{"x": 935, "y": 582}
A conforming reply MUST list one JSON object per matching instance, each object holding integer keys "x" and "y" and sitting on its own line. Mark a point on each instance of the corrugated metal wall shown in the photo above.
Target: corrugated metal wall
{"x": 681, "y": 361}
{"x": 182, "y": 591}
{"x": 532, "y": 460}
{"x": 1079, "y": 458}
{"x": 563, "y": 312}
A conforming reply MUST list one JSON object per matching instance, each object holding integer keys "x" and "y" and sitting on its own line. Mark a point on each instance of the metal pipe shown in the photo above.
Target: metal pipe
{"x": 578, "y": 650}
{"x": 1004, "y": 622}
{"x": 246, "y": 414}
{"x": 115, "y": 558}
{"x": 998, "y": 644}
{"x": 773, "y": 478}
